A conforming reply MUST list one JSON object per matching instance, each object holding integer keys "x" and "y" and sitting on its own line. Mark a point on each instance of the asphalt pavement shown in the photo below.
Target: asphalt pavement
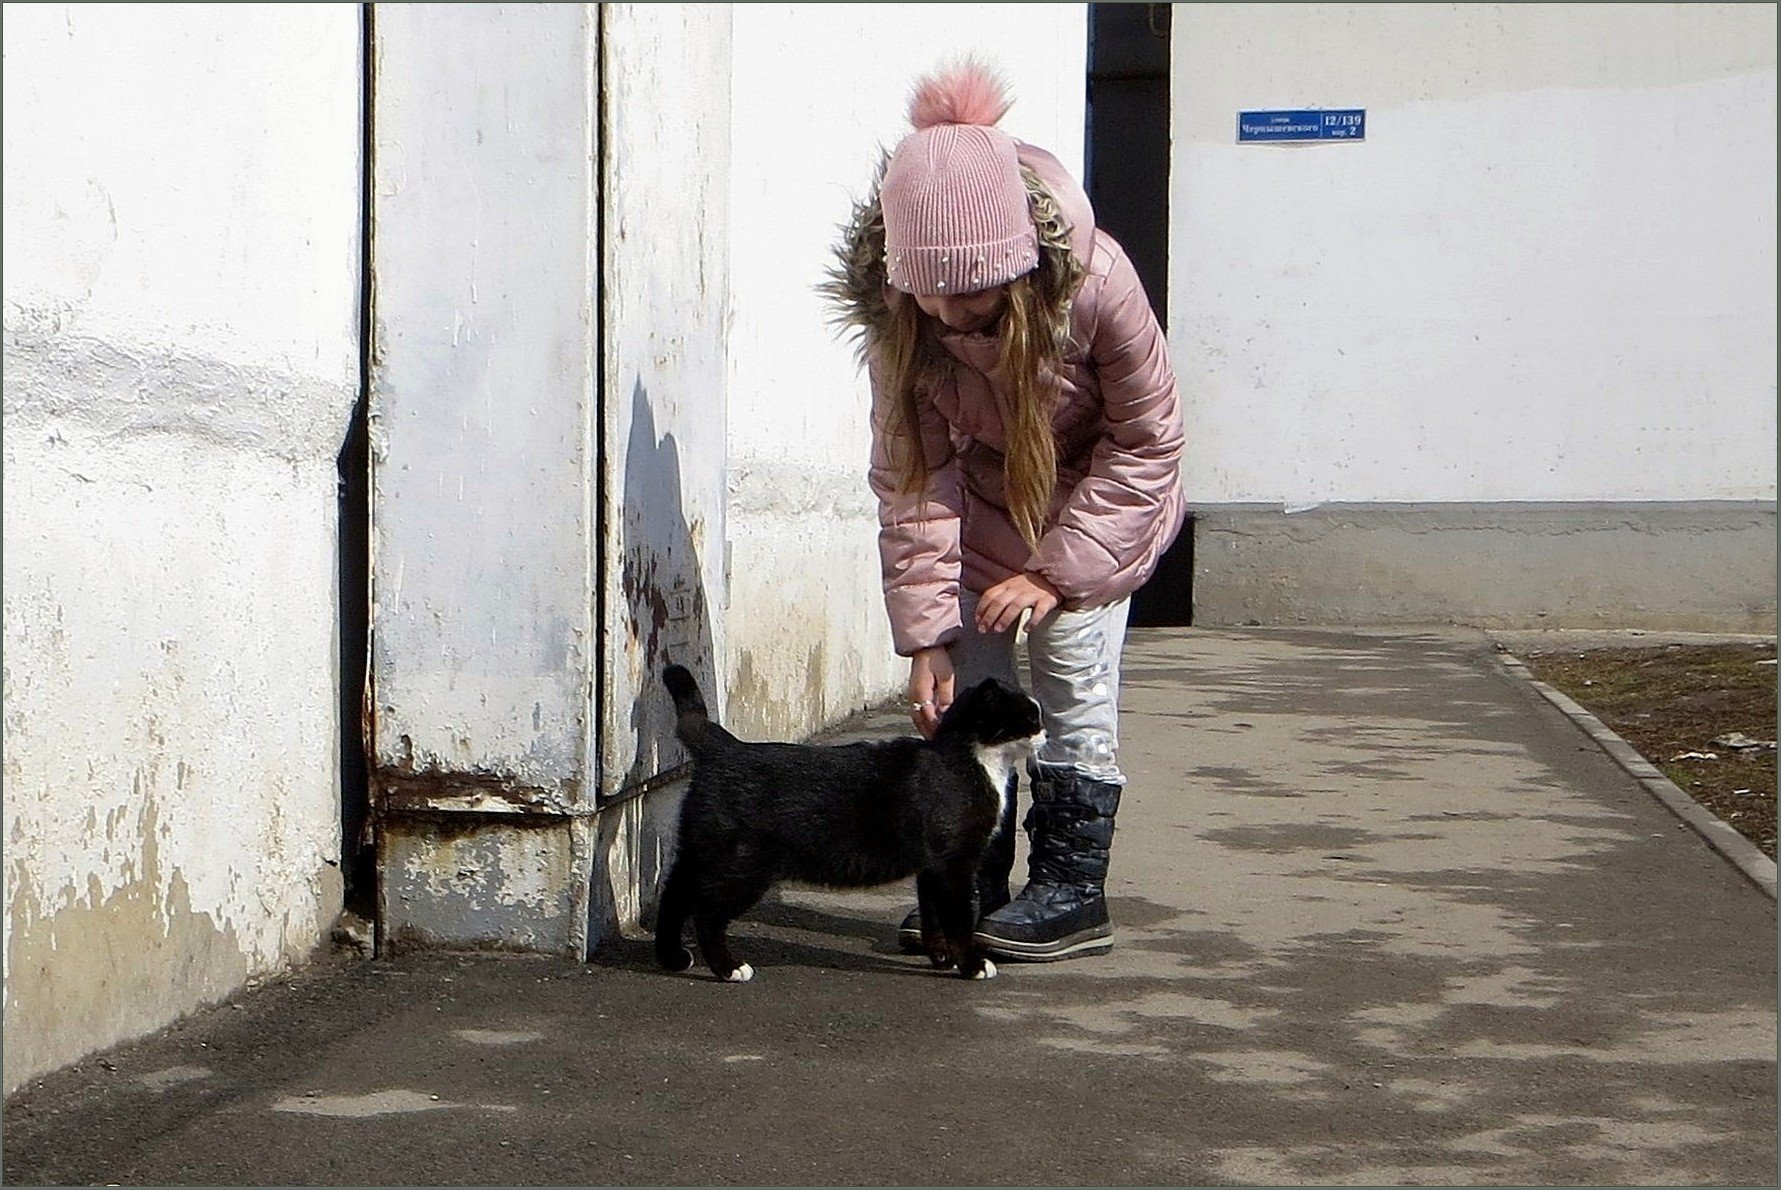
{"x": 1385, "y": 915}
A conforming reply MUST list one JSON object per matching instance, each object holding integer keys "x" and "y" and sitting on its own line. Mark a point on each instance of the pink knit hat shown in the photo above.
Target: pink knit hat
{"x": 955, "y": 206}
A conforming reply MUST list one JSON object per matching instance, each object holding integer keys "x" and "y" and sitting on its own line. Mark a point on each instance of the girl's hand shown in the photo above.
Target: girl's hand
{"x": 930, "y": 688}
{"x": 1000, "y": 607}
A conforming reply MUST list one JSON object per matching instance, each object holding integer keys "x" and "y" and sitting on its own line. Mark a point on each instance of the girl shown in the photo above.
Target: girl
{"x": 1026, "y": 446}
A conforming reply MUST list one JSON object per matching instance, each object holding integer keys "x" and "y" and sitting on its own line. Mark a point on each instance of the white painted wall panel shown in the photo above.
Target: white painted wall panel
{"x": 181, "y": 285}
{"x": 139, "y": 137}
{"x": 1548, "y": 274}
{"x": 483, "y": 393}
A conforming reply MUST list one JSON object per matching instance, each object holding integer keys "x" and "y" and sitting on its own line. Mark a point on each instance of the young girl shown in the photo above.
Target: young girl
{"x": 1026, "y": 445}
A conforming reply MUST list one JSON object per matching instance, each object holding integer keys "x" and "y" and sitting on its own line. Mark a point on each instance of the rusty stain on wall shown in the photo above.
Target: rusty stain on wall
{"x": 413, "y": 790}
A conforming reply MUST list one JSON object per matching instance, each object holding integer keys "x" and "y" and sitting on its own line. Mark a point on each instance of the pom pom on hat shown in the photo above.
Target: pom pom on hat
{"x": 968, "y": 93}
{"x": 954, "y": 202}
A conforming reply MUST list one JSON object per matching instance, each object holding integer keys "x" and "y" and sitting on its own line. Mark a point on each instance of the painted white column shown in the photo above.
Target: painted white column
{"x": 482, "y": 415}
{"x": 665, "y": 269}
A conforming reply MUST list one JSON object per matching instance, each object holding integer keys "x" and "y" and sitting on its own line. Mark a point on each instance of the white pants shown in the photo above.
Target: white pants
{"x": 1073, "y": 658}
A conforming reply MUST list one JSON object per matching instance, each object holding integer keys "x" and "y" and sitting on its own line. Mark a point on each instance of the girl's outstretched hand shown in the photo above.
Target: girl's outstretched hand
{"x": 999, "y": 608}
{"x": 930, "y": 688}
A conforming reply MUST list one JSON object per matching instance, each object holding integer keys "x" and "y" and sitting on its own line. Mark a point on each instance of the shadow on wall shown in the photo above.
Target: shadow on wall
{"x": 667, "y": 614}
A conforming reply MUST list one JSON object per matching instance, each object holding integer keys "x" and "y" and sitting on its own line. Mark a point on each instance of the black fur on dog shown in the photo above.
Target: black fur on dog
{"x": 844, "y": 816}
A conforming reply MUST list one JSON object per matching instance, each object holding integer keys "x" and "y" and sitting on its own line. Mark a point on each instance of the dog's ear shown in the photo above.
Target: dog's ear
{"x": 1003, "y": 691}
{"x": 979, "y": 697}
{"x": 991, "y": 690}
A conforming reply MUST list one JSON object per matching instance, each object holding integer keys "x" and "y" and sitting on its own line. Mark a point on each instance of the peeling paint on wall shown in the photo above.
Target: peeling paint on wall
{"x": 181, "y": 364}
{"x": 462, "y": 881}
{"x": 482, "y": 393}
{"x": 169, "y": 675}
{"x": 87, "y": 967}
{"x": 482, "y": 426}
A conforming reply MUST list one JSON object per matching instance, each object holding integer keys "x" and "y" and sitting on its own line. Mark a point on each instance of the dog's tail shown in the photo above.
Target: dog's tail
{"x": 693, "y": 723}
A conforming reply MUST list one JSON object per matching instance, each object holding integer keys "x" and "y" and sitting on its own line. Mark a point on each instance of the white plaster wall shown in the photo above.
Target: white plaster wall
{"x": 1548, "y": 274}
{"x": 819, "y": 93}
{"x": 181, "y": 279}
{"x": 482, "y": 394}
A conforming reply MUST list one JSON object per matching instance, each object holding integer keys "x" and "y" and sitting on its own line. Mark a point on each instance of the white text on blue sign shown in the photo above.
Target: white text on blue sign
{"x": 1308, "y": 125}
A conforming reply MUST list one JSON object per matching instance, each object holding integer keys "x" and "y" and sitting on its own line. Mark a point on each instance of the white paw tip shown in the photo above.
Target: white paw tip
{"x": 741, "y": 974}
{"x": 988, "y": 972}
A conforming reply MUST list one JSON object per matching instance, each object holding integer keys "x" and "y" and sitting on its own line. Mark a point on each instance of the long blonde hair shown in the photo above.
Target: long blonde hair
{"x": 1034, "y": 331}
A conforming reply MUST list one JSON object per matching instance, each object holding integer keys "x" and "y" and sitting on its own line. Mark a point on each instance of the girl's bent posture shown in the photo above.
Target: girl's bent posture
{"x": 1026, "y": 457}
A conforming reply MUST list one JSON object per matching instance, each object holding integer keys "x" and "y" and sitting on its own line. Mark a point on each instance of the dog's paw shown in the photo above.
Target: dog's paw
{"x": 742, "y": 974}
{"x": 977, "y": 969}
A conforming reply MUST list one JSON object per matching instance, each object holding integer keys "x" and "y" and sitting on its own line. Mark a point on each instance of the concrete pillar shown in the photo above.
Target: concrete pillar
{"x": 484, "y": 465}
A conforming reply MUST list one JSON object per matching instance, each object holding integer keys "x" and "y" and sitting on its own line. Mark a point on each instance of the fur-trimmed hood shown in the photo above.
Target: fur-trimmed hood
{"x": 856, "y": 282}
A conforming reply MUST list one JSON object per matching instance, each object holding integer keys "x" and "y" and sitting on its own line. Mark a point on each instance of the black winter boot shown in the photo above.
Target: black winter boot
{"x": 992, "y": 876}
{"x": 1062, "y": 912}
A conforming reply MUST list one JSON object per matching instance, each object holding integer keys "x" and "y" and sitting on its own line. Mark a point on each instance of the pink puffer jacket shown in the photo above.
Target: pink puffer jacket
{"x": 1118, "y": 502}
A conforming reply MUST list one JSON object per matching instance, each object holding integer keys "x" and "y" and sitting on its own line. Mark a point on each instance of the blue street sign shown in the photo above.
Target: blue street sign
{"x": 1315, "y": 124}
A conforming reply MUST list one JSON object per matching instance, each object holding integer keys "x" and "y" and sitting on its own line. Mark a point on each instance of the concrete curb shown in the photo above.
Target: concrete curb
{"x": 1740, "y": 852}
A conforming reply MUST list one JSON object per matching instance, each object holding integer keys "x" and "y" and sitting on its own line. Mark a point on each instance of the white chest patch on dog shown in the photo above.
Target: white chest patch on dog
{"x": 997, "y": 762}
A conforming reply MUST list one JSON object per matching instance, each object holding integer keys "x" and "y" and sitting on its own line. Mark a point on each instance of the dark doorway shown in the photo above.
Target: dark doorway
{"x": 1128, "y": 183}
